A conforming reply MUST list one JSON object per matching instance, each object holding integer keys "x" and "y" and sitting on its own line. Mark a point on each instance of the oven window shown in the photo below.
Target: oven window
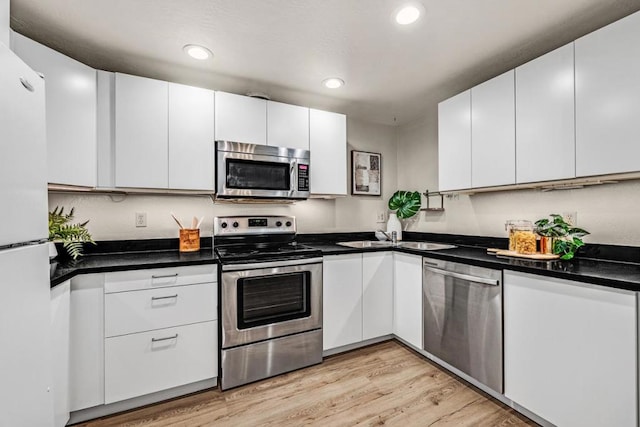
{"x": 274, "y": 298}
{"x": 255, "y": 175}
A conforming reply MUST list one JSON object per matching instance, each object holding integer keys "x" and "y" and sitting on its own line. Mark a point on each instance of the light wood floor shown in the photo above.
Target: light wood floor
{"x": 384, "y": 384}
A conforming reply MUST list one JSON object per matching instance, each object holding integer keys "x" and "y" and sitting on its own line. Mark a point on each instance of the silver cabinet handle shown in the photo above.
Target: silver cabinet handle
{"x": 167, "y": 297}
{"x": 164, "y": 276}
{"x": 165, "y": 338}
{"x": 461, "y": 276}
{"x": 26, "y": 84}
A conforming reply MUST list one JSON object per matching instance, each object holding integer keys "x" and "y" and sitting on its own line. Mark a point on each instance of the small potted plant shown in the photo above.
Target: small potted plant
{"x": 404, "y": 204}
{"x": 72, "y": 236}
{"x": 563, "y": 238}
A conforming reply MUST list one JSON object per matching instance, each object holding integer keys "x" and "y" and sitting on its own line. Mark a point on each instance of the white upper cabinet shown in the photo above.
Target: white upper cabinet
{"x": 191, "y": 139}
{"x": 287, "y": 125}
{"x": 70, "y": 88}
{"x": 240, "y": 118}
{"x": 545, "y": 137}
{"x": 4, "y": 22}
{"x": 493, "y": 132}
{"x": 141, "y": 132}
{"x": 608, "y": 99}
{"x": 328, "y": 146}
{"x": 454, "y": 142}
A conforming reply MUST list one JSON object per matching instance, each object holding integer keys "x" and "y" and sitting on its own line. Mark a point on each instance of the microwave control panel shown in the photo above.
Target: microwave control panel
{"x": 303, "y": 177}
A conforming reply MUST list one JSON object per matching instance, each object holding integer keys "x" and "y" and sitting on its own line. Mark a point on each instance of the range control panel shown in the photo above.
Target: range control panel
{"x": 252, "y": 225}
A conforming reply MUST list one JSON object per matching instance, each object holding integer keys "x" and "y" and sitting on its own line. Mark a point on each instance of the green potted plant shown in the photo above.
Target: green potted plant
{"x": 72, "y": 236}
{"x": 404, "y": 205}
{"x": 565, "y": 238}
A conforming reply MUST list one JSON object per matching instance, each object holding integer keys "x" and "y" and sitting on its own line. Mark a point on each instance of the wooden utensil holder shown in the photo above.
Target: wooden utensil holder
{"x": 189, "y": 239}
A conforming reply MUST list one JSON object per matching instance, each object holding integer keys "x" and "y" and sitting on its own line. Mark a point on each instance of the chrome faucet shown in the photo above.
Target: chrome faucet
{"x": 393, "y": 237}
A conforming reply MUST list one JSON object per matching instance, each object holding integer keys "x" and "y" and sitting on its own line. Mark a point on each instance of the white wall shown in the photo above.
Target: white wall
{"x": 609, "y": 212}
{"x": 112, "y": 216}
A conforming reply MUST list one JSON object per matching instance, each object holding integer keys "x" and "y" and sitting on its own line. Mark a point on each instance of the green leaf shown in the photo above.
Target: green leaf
{"x": 405, "y": 203}
{"x": 72, "y": 236}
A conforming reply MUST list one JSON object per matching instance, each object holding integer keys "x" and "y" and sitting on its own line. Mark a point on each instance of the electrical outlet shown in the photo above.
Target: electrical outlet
{"x": 141, "y": 219}
{"x": 380, "y": 216}
{"x": 571, "y": 218}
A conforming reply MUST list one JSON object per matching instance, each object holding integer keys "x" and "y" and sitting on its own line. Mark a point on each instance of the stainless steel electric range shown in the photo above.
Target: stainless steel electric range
{"x": 270, "y": 298}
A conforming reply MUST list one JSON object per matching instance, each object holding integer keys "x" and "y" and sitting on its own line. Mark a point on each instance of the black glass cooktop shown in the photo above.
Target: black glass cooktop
{"x": 264, "y": 251}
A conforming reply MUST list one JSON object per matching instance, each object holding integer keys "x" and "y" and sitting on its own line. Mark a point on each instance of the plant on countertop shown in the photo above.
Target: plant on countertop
{"x": 72, "y": 236}
{"x": 405, "y": 203}
{"x": 567, "y": 239}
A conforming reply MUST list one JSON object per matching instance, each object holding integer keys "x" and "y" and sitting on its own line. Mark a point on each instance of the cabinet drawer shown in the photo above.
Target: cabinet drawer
{"x": 146, "y": 310}
{"x": 148, "y": 362}
{"x": 158, "y": 277}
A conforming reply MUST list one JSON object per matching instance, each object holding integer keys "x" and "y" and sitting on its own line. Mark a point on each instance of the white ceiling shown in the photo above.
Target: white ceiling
{"x": 285, "y": 48}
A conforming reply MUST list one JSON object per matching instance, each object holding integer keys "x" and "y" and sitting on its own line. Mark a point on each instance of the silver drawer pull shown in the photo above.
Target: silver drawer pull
{"x": 26, "y": 84}
{"x": 165, "y": 338}
{"x": 164, "y": 276}
{"x": 167, "y": 297}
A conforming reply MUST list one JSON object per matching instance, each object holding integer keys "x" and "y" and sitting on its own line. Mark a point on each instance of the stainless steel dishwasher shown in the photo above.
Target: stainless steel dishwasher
{"x": 462, "y": 315}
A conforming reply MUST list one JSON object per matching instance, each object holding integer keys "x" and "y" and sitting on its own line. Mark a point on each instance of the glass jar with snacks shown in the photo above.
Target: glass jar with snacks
{"x": 521, "y": 235}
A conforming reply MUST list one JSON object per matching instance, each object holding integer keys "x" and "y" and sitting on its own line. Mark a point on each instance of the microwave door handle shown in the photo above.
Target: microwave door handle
{"x": 294, "y": 178}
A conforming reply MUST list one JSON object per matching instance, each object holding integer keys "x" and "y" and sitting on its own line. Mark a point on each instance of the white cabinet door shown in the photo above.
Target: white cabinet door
{"x": 70, "y": 88}
{"x": 328, "y": 146}
{"x": 141, "y": 141}
{"x": 191, "y": 141}
{"x": 407, "y": 300}
{"x": 570, "y": 351}
{"x": 240, "y": 118}
{"x": 377, "y": 294}
{"x": 86, "y": 355}
{"x": 60, "y": 312}
{"x": 287, "y": 125}
{"x": 608, "y": 99}
{"x": 341, "y": 300}
{"x": 545, "y": 132}
{"x": 23, "y": 159}
{"x": 25, "y": 364}
{"x": 139, "y": 364}
{"x": 493, "y": 132}
{"x": 454, "y": 142}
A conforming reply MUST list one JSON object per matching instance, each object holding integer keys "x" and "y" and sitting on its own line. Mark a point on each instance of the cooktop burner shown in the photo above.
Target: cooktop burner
{"x": 261, "y": 251}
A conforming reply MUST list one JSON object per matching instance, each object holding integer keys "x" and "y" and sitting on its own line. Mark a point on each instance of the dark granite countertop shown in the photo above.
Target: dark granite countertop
{"x": 136, "y": 260}
{"x": 604, "y": 265}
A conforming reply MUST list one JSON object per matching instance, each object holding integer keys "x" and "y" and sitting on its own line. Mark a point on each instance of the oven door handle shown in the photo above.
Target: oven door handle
{"x": 271, "y": 264}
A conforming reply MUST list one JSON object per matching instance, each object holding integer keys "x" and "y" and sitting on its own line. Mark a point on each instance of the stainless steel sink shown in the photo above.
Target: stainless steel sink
{"x": 366, "y": 244}
{"x": 425, "y": 246}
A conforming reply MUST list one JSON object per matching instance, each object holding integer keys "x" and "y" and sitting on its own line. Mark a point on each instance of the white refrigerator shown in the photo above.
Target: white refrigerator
{"x": 25, "y": 360}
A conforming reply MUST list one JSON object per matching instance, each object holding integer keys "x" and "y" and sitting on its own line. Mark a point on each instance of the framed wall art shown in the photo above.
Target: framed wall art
{"x": 366, "y": 173}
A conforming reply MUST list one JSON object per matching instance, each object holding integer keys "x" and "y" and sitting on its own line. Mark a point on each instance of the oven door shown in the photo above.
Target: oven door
{"x": 269, "y": 300}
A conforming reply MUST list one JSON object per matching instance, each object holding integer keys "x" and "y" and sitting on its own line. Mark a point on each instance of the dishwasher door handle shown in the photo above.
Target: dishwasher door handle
{"x": 461, "y": 276}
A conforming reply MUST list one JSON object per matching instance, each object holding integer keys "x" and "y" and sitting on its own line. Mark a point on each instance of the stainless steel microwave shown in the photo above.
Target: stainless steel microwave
{"x": 261, "y": 171}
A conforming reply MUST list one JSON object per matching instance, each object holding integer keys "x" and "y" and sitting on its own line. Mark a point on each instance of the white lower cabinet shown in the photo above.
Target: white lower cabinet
{"x": 571, "y": 351}
{"x": 407, "y": 298}
{"x": 60, "y": 309}
{"x": 341, "y": 300}
{"x": 160, "y": 330}
{"x": 86, "y": 354}
{"x": 148, "y": 362}
{"x": 377, "y": 294}
{"x": 357, "y": 298}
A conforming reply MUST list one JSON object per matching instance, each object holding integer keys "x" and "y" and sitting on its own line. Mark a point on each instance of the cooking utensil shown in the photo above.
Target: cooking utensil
{"x": 176, "y": 220}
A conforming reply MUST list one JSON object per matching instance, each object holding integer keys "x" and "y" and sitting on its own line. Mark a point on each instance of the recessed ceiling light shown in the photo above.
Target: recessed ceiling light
{"x": 408, "y": 14}
{"x": 197, "y": 52}
{"x": 333, "y": 82}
